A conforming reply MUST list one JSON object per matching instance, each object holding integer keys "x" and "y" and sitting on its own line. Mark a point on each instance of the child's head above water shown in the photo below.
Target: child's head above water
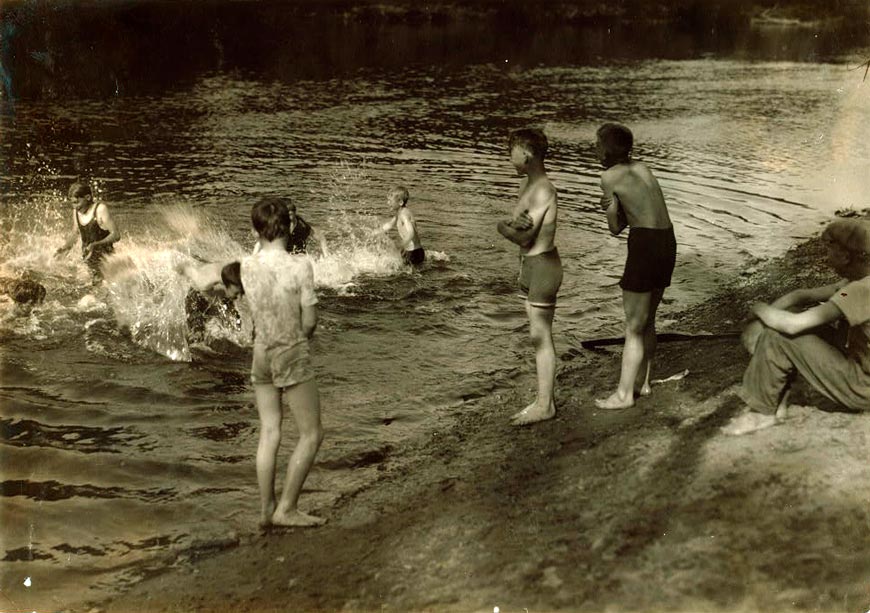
{"x": 532, "y": 140}
{"x": 398, "y": 196}
{"x": 80, "y": 193}
{"x": 270, "y": 217}
{"x": 614, "y": 144}
{"x": 231, "y": 277}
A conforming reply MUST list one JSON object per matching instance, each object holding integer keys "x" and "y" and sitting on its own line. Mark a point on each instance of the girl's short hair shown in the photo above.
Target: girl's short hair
{"x": 532, "y": 139}
{"x": 616, "y": 141}
{"x": 79, "y": 189}
{"x": 270, "y": 217}
{"x": 231, "y": 274}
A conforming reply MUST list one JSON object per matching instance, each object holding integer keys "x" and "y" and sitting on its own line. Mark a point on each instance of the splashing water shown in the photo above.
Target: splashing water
{"x": 147, "y": 293}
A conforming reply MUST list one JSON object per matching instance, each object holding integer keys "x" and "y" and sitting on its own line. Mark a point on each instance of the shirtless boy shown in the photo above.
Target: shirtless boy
{"x": 403, "y": 222}
{"x": 633, "y": 198}
{"x": 93, "y": 224}
{"x": 533, "y": 227}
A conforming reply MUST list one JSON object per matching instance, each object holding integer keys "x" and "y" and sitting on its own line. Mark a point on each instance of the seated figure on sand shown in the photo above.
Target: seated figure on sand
{"x": 532, "y": 226}
{"x": 794, "y": 336}
{"x": 632, "y": 198}
{"x": 403, "y": 222}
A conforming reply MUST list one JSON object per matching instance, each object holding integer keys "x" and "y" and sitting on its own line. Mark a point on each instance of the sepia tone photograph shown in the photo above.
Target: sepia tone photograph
{"x": 486, "y": 306}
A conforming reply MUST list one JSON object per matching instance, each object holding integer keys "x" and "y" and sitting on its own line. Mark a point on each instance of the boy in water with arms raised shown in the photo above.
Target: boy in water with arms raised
{"x": 632, "y": 197}
{"x": 533, "y": 228}
{"x": 403, "y": 222}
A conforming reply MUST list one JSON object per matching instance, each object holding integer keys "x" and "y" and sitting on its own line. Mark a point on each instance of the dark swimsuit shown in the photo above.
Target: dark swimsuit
{"x": 297, "y": 242}
{"x": 652, "y": 254}
{"x": 91, "y": 232}
{"x": 415, "y": 257}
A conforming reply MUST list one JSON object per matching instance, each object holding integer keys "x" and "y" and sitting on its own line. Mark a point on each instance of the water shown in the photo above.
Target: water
{"x": 122, "y": 443}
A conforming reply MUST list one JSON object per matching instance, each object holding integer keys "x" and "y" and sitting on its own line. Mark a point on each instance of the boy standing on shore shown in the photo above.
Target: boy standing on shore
{"x": 280, "y": 291}
{"x": 533, "y": 227}
{"x": 791, "y": 340}
{"x": 632, "y": 197}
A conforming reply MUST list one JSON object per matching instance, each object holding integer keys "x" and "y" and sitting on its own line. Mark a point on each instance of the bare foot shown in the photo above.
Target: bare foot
{"x": 296, "y": 519}
{"x": 266, "y": 516}
{"x": 749, "y": 422}
{"x": 615, "y": 401}
{"x": 643, "y": 391}
{"x": 532, "y": 414}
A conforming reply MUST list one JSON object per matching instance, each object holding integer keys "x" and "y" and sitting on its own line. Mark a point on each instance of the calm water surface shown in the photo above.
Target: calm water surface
{"x": 121, "y": 443}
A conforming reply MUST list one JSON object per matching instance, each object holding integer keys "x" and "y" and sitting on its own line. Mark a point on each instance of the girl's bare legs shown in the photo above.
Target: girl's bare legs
{"x": 269, "y": 409}
{"x": 304, "y": 401}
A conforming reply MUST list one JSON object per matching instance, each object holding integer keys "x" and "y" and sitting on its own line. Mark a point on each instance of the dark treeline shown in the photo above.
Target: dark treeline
{"x": 53, "y": 49}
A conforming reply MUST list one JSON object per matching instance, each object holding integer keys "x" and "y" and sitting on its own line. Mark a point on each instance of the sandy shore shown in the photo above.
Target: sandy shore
{"x": 647, "y": 509}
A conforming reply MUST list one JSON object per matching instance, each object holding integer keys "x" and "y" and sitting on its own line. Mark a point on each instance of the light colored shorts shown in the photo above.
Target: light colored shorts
{"x": 282, "y": 366}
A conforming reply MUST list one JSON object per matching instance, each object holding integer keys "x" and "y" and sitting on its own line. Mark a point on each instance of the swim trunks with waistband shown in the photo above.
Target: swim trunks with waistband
{"x": 652, "y": 254}
{"x": 540, "y": 278}
{"x": 414, "y": 257}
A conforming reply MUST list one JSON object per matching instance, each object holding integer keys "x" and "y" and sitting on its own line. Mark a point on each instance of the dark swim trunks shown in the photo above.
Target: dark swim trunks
{"x": 415, "y": 257}
{"x": 541, "y": 277}
{"x": 652, "y": 254}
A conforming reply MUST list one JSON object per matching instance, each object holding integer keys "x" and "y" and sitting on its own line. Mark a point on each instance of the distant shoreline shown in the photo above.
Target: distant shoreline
{"x": 686, "y": 12}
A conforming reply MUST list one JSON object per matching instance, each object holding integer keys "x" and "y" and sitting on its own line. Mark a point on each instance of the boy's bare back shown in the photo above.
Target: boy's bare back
{"x": 635, "y": 188}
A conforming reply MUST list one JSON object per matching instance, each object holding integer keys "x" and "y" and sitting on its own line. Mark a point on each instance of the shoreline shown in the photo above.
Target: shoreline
{"x": 649, "y": 508}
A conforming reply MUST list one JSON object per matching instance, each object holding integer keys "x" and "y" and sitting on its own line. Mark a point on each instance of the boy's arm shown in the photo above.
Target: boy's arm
{"x": 321, "y": 242}
{"x": 796, "y": 323}
{"x": 309, "y": 320}
{"x": 523, "y": 230}
{"x": 202, "y": 278}
{"x": 801, "y": 297}
{"x": 308, "y": 300}
{"x": 390, "y": 224}
{"x": 616, "y": 219}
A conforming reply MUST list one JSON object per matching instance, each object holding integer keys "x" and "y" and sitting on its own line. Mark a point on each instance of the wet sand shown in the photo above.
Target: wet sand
{"x": 650, "y": 508}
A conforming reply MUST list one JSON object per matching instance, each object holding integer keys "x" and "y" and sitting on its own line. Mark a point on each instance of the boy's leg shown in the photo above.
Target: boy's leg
{"x": 541, "y": 330}
{"x": 649, "y": 345}
{"x": 637, "y": 311}
{"x": 304, "y": 401}
{"x": 269, "y": 408}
